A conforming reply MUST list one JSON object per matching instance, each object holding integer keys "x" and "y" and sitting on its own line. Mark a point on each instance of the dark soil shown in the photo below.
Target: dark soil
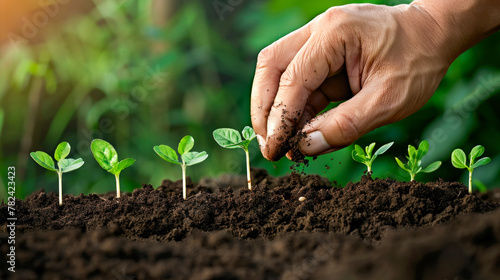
{"x": 371, "y": 229}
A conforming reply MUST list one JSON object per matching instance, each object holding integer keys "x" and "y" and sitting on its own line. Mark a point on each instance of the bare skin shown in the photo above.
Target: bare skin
{"x": 385, "y": 61}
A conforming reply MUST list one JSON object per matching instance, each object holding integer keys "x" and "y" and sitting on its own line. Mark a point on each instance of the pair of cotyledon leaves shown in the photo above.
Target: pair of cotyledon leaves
{"x": 415, "y": 159}
{"x": 366, "y": 156}
{"x": 107, "y": 157}
{"x": 188, "y": 158}
{"x": 459, "y": 160}
{"x": 231, "y": 138}
{"x": 64, "y": 164}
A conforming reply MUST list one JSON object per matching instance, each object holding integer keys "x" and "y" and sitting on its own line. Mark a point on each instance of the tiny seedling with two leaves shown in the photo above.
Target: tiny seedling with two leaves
{"x": 107, "y": 157}
{"x": 188, "y": 158}
{"x": 231, "y": 139}
{"x": 63, "y": 164}
{"x": 459, "y": 160}
{"x": 413, "y": 167}
{"x": 366, "y": 157}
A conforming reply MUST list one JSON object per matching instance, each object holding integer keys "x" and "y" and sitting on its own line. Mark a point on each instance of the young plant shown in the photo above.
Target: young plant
{"x": 366, "y": 158}
{"x": 459, "y": 160}
{"x": 231, "y": 139}
{"x": 187, "y": 158}
{"x": 63, "y": 164}
{"x": 415, "y": 160}
{"x": 106, "y": 156}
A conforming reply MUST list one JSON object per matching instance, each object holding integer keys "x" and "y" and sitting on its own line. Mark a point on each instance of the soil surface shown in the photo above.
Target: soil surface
{"x": 372, "y": 229}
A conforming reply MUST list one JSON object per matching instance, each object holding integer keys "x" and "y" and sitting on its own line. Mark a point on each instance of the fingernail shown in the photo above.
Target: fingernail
{"x": 262, "y": 142}
{"x": 314, "y": 144}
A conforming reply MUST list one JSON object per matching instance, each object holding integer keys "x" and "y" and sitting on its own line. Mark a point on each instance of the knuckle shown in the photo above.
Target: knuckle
{"x": 335, "y": 15}
{"x": 266, "y": 55}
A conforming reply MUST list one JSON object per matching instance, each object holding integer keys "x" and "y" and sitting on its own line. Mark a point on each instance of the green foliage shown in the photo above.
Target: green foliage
{"x": 188, "y": 158}
{"x": 230, "y": 138}
{"x": 459, "y": 160}
{"x": 63, "y": 164}
{"x": 107, "y": 157}
{"x": 366, "y": 157}
{"x": 413, "y": 166}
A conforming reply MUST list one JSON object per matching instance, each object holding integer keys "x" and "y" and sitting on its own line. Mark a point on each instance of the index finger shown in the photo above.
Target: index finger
{"x": 305, "y": 73}
{"x": 271, "y": 63}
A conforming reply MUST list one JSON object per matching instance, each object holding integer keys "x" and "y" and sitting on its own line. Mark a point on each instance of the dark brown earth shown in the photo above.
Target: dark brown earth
{"x": 373, "y": 229}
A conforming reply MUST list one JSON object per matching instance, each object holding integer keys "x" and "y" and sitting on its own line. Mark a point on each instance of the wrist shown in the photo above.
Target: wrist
{"x": 461, "y": 23}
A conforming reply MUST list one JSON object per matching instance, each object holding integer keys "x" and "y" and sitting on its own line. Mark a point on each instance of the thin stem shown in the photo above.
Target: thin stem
{"x": 470, "y": 181}
{"x": 412, "y": 177}
{"x": 184, "y": 180}
{"x": 369, "y": 168}
{"x": 249, "y": 179}
{"x": 117, "y": 176}
{"x": 59, "y": 173}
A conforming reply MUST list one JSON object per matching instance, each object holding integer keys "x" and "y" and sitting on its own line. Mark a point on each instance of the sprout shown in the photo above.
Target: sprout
{"x": 415, "y": 160}
{"x": 106, "y": 156}
{"x": 187, "y": 158}
{"x": 366, "y": 158}
{"x": 459, "y": 160}
{"x": 231, "y": 139}
{"x": 64, "y": 164}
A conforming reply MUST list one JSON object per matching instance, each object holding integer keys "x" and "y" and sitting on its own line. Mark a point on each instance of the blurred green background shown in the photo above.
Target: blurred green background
{"x": 143, "y": 73}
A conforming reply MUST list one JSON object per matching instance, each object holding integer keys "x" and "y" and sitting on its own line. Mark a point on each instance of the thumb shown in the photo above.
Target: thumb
{"x": 341, "y": 126}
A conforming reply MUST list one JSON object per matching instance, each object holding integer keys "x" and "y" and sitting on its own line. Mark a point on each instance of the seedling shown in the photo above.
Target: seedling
{"x": 63, "y": 164}
{"x": 187, "y": 158}
{"x": 366, "y": 158}
{"x": 459, "y": 160}
{"x": 231, "y": 139}
{"x": 415, "y": 160}
{"x": 107, "y": 157}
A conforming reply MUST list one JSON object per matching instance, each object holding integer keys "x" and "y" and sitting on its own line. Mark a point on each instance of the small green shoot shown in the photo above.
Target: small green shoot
{"x": 459, "y": 160}
{"x": 63, "y": 164}
{"x": 187, "y": 158}
{"x": 365, "y": 157}
{"x": 415, "y": 160}
{"x": 107, "y": 157}
{"x": 231, "y": 139}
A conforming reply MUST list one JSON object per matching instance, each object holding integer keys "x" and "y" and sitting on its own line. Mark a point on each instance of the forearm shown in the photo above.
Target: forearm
{"x": 463, "y": 23}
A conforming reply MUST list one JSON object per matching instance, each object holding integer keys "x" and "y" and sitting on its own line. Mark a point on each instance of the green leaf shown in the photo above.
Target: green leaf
{"x": 411, "y": 151}
{"x": 186, "y": 144}
{"x": 369, "y": 149}
{"x": 402, "y": 165}
{"x": 383, "y": 149}
{"x": 481, "y": 162}
{"x": 357, "y": 158}
{"x": 193, "y": 158}
{"x": 360, "y": 151}
{"x": 44, "y": 160}
{"x": 476, "y": 152}
{"x": 423, "y": 148}
{"x": 458, "y": 159}
{"x": 248, "y": 133}
{"x": 227, "y": 138}
{"x": 432, "y": 167}
{"x": 69, "y": 164}
{"x": 122, "y": 165}
{"x": 104, "y": 154}
{"x": 62, "y": 151}
{"x": 167, "y": 153}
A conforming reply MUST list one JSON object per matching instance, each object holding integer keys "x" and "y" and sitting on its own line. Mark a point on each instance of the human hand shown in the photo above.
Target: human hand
{"x": 385, "y": 61}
